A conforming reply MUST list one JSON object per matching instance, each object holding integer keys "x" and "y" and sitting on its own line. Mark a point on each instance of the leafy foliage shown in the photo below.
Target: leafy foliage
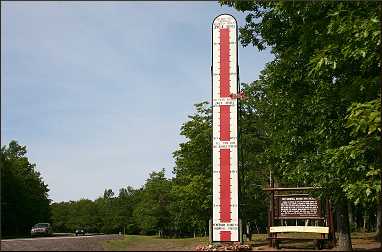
{"x": 325, "y": 61}
{"x": 321, "y": 93}
{"x": 151, "y": 212}
{"x": 24, "y": 195}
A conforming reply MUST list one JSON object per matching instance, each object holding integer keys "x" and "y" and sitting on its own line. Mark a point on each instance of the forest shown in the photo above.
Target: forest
{"x": 312, "y": 118}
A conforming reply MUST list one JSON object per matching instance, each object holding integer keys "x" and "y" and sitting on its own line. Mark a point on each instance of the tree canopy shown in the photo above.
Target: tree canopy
{"x": 24, "y": 195}
{"x": 321, "y": 94}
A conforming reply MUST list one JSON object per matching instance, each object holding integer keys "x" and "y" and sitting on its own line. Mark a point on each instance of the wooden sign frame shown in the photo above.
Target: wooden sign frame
{"x": 298, "y": 211}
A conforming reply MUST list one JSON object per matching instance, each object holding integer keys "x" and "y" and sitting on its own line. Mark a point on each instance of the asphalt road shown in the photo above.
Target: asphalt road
{"x": 67, "y": 243}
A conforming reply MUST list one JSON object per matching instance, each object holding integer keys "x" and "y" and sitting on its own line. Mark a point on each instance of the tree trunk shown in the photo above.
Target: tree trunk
{"x": 344, "y": 239}
{"x": 351, "y": 219}
{"x": 379, "y": 222}
{"x": 365, "y": 220}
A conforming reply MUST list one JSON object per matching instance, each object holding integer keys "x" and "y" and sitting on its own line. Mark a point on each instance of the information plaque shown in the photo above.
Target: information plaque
{"x": 299, "y": 207}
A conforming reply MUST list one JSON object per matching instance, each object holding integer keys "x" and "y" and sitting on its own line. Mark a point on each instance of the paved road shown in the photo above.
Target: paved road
{"x": 72, "y": 243}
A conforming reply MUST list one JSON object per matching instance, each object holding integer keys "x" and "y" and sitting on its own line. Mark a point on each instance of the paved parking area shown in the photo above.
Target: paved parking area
{"x": 70, "y": 243}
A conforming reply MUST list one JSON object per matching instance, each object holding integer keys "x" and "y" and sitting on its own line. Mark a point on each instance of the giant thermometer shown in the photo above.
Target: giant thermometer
{"x": 225, "y": 219}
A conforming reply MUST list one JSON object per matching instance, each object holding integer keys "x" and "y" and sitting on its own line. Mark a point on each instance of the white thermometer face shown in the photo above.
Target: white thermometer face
{"x": 225, "y": 217}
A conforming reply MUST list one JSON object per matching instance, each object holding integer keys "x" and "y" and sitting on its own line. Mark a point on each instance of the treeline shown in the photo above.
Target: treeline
{"x": 159, "y": 207}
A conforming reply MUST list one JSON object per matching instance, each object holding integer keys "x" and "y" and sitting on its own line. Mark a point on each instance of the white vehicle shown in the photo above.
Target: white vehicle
{"x": 42, "y": 229}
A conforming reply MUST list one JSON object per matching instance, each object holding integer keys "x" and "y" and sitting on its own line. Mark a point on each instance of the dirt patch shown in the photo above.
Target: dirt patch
{"x": 82, "y": 243}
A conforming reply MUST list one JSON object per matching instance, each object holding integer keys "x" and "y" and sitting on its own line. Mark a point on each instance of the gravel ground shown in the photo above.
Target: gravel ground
{"x": 80, "y": 243}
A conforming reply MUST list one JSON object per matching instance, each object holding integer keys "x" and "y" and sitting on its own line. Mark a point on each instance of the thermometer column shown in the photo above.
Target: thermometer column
{"x": 224, "y": 109}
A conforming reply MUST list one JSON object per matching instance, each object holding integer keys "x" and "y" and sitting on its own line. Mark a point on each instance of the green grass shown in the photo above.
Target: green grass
{"x": 363, "y": 235}
{"x": 259, "y": 237}
{"x": 154, "y": 243}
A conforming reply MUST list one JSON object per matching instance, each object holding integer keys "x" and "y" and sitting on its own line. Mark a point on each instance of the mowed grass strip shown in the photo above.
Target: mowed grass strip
{"x": 154, "y": 243}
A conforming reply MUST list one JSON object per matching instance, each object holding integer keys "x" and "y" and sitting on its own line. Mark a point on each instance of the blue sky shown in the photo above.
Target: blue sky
{"x": 98, "y": 91}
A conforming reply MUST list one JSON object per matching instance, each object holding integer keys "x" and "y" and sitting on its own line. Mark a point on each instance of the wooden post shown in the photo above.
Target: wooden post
{"x": 210, "y": 231}
{"x": 269, "y": 225}
{"x": 332, "y": 234}
{"x": 240, "y": 231}
{"x": 273, "y": 235}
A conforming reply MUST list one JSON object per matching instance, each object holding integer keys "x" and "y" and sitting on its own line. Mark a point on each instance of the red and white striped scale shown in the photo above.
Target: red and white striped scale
{"x": 225, "y": 219}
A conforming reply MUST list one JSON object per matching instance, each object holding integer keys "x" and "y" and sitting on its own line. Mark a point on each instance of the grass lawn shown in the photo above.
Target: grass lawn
{"x": 154, "y": 243}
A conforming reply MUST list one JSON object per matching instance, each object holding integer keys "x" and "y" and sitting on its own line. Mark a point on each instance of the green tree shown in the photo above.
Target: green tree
{"x": 253, "y": 167}
{"x": 108, "y": 213}
{"x": 190, "y": 205}
{"x": 192, "y": 189}
{"x": 82, "y": 214}
{"x": 24, "y": 195}
{"x": 325, "y": 60}
{"x": 151, "y": 212}
{"x": 194, "y": 156}
{"x": 193, "y": 181}
{"x": 128, "y": 199}
{"x": 60, "y": 216}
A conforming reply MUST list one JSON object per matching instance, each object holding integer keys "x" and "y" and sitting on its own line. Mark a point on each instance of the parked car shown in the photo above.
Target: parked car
{"x": 43, "y": 229}
{"x": 80, "y": 231}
